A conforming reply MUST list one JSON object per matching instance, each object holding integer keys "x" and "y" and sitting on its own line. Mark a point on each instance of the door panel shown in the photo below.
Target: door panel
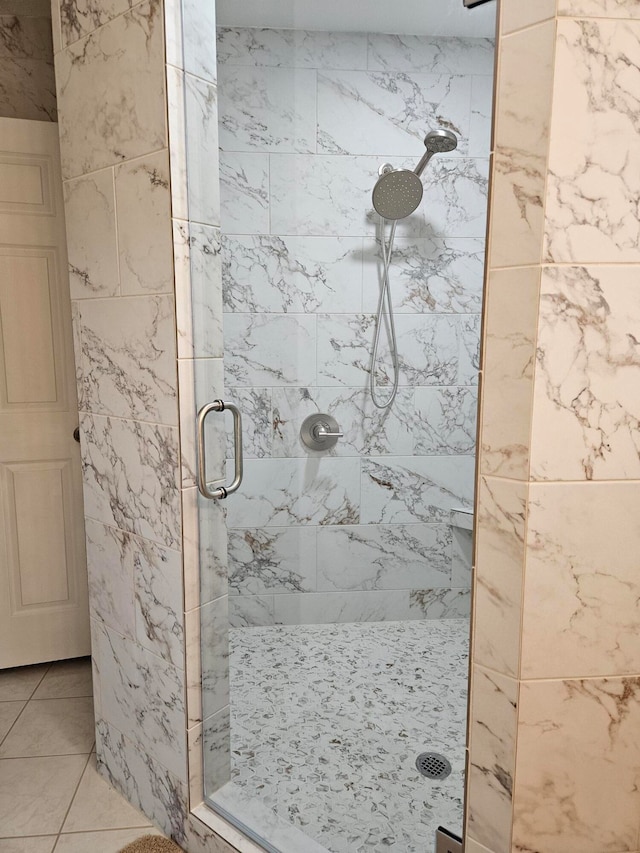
{"x": 43, "y": 582}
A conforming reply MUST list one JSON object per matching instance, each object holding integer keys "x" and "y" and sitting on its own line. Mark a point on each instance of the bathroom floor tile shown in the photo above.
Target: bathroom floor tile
{"x": 19, "y": 683}
{"x": 8, "y": 714}
{"x": 31, "y": 844}
{"x": 52, "y": 727}
{"x": 35, "y": 793}
{"x": 66, "y": 679}
{"x": 106, "y": 842}
{"x": 97, "y": 805}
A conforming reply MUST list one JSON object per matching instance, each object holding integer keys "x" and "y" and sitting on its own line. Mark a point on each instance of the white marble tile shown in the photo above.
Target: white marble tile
{"x": 111, "y": 92}
{"x": 428, "y": 350}
{"x": 143, "y": 203}
{"x": 412, "y": 556}
{"x": 445, "y": 421}
{"x": 508, "y": 368}
{"x": 217, "y": 750}
{"x": 456, "y": 197}
{"x": 591, "y": 189}
{"x": 248, "y": 611}
{"x": 267, "y": 109}
{"x": 270, "y": 349}
{"x": 199, "y": 37}
{"x": 586, "y": 411}
{"x": 27, "y": 89}
{"x": 481, "y": 116}
{"x": 130, "y": 476}
{"x": 294, "y": 48}
{"x": 469, "y": 364}
{"x": 428, "y": 276}
{"x": 263, "y": 274}
{"x": 367, "y": 429}
{"x": 159, "y": 601}
{"x": 81, "y": 17}
{"x": 177, "y": 134}
{"x": 599, "y": 8}
{"x": 201, "y": 382}
{"x": 128, "y": 357}
{"x": 430, "y": 55}
{"x": 523, "y": 108}
{"x": 89, "y": 209}
{"x": 268, "y": 560}
{"x": 204, "y": 546}
{"x": 25, "y": 36}
{"x": 409, "y": 489}
{"x": 173, "y": 33}
{"x": 203, "y": 180}
{"x": 206, "y": 291}
{"x": 257, "y": 421}
{"x": 77, "y": 354}
{"x": 461, "y": 558}
{"x": 493, "y": 744}
{"x": 361, "y": 112}
{"x": 519, "y": 14}
{"x": 589, "y": 597}
{"x": 214, "y": 646}
{"x": 111, "y": 563}
{"x": 280, "y": 492}
{"x": 587, "y": 797}
{"x": 326, "y": 195}
{"x": 321, "y": 608}
{"x": 499, "y": 574}
{"x": 145, "y": 698}
{"x": 244, "y": 193}
{"x": 149, "y": 786}
{"x": 439, "y": 604}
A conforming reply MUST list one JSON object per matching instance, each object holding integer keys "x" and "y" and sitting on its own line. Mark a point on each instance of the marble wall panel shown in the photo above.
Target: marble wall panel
{"x": 586, "y": 409}
{"x": 588, "y": 597}
{"x": 592, "y": 188}
{"x": 245, "y": 192}
{"x": 264, "y": 274}
{"x": 493, "y": 744}
{"x": 445, "y": 421}
{"x": 576, "y": 781}
{"x": 203, "y": 179}
{"x": 518, "y": 14}
{"x": 499, "y": 574}
{"x": 128, "y": 355}
{"x": 430, "y": 276}
{"x": 291, "y": 48}
{"x": 145, "y": 698}
{"x": 144, "y": 225}
{"x": 521, "y": 146}
{"x": 92, "y": 248}
{"x": 81, "y": 17}
{"x": 129, "y": 473}
{"x": 111, "y": 86}
{"x": 269, "y": 560}
{"x": 508, "y": 369}
{"x": 598, "y": 8}
{"x": 430, "y": 55}
{"x": 27, "y": 82}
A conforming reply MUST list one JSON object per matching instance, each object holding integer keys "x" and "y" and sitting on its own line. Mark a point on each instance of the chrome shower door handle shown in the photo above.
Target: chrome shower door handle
{"x": 222, "y": 491}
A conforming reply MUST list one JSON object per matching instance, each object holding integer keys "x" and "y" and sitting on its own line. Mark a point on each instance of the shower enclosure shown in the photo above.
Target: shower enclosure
{"x": 335, "y": 680}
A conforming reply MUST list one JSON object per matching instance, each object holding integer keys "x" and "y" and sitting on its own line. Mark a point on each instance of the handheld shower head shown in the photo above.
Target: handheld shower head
{"x": 398, "y": 192}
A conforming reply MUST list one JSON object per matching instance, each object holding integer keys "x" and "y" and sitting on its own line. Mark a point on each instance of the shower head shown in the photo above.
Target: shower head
{"x": 398, "y": 192}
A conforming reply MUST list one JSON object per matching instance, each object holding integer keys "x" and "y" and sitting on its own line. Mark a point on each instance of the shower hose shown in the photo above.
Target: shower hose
{"x": 385, "y": 296}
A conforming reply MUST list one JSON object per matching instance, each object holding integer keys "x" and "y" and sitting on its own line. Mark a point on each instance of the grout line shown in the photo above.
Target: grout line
{"x": 75, "y": 792}
{"x": 26, "y": 702}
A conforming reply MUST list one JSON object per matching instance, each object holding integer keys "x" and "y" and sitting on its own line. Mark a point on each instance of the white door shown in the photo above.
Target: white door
{"x": 44, "y": 613}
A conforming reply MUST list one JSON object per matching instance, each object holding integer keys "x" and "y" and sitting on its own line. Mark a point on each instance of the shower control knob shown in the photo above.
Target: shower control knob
{"x": 320, "y": 432}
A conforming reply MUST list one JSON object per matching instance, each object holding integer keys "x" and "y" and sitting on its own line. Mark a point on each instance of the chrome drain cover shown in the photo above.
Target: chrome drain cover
{"x": 433, "y": 765}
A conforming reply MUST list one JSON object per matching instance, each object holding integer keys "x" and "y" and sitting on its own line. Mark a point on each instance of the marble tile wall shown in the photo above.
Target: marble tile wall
{"x": 27, "y": 80}
{"x": 306, "y": 118}
{"x": 553, "y": 761}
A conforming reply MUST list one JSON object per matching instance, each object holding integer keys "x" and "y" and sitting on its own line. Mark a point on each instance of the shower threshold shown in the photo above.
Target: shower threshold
{"x": 326, "y": 725}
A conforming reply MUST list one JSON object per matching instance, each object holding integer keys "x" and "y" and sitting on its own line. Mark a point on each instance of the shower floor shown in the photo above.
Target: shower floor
{"x": 327, "y": 721}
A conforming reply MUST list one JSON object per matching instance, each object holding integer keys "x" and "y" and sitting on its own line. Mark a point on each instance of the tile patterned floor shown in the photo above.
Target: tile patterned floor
{"x": 327, "y": 721}
{"x": 51, "y": 796}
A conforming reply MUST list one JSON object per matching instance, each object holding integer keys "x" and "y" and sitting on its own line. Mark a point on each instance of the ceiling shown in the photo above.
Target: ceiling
{"x": 416, "y": 17}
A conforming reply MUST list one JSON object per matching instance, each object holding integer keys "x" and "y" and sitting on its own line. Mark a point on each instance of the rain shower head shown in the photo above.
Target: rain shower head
{"x": 398, "y": 192}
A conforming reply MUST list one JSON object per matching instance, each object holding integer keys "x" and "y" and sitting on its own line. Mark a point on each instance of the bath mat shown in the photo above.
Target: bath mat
{"x": 152, "y": 844}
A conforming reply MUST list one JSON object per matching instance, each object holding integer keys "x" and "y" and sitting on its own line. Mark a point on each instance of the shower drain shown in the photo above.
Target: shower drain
{"x": 433, "y": 765}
